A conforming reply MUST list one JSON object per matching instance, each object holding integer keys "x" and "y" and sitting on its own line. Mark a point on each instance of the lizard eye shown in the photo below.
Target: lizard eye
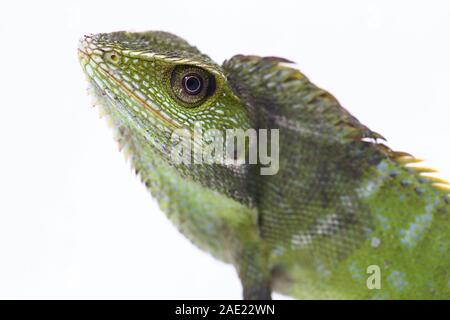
{"x": 191, "y": 85}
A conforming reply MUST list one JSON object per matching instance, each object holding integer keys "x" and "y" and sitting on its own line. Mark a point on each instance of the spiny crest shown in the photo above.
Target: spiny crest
{"x": 360, "y": 131}
{"x": 291, "y": 96}
{"x": 279, "y": 68}
{"x": 410, "y": 162}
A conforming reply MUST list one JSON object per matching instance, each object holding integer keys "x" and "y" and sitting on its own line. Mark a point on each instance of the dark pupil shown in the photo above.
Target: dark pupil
{"x": 192, "y": 84}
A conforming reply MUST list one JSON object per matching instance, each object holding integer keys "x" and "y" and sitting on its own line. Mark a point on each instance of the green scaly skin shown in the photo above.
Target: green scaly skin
{"x": 340, "y": 202}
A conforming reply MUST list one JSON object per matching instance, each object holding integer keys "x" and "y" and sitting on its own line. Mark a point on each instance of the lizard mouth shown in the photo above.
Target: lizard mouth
{"x": 90, "y": 57}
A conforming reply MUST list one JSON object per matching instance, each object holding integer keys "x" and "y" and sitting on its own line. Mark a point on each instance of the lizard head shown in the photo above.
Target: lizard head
{"x": 156, "y": 82}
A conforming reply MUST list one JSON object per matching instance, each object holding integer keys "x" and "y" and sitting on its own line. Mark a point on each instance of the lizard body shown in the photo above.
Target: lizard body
{"x": 339, "y": 203}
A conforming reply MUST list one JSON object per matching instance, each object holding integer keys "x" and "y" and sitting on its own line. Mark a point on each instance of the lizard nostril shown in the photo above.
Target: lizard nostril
{"x": 112, "y": 57}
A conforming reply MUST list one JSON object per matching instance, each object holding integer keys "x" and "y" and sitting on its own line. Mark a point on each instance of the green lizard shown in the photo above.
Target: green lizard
{"x": 343, "y": 217}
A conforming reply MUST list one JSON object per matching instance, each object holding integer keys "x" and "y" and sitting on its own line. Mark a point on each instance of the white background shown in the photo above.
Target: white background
{"x": 76, "y": 223}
